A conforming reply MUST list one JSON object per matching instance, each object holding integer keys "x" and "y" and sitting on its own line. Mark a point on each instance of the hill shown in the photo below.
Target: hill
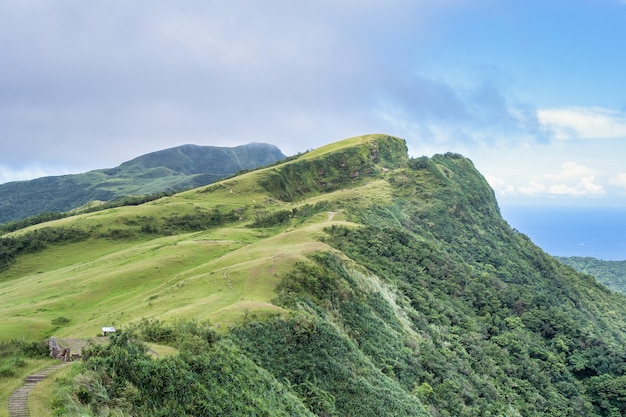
{"x": 174, "y": 169}
{"x": 349, "y": 281}
{"x": 610, "y": 273}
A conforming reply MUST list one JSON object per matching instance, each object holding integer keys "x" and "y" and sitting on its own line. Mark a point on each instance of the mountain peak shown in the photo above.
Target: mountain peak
{"x": 167, "y": 170}
{"x": 196, "y": 159}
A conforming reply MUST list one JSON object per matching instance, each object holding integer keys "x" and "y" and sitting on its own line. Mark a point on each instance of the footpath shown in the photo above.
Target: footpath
{"x": 18, "y": 400}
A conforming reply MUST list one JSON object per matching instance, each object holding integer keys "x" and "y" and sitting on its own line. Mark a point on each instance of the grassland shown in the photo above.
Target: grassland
{"x": 120, "y": 274}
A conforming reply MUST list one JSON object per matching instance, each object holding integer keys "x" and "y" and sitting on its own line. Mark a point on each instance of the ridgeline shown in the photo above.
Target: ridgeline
{"x": 164, "y": 171}
{"x": 349, "y": 281}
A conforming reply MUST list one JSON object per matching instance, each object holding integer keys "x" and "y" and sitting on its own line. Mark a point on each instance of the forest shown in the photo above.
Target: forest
{"x": 610, "y": 273}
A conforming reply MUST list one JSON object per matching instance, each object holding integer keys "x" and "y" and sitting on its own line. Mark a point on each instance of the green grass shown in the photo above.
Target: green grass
{"x": 8, "y": 385}
{"x": 160, "y": 351}
{"x": 342, "y": 144}
{"x": 219, "y": 274}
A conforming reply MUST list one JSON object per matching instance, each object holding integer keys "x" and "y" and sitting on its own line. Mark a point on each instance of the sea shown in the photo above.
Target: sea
{"x": 599, "y": 232}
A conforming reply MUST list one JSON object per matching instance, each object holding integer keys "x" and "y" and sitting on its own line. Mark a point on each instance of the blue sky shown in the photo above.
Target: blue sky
{"x": 531, "y": 91}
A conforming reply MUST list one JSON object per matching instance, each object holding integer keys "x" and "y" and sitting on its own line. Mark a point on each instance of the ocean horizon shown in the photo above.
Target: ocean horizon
{"x": 598, "y": 232}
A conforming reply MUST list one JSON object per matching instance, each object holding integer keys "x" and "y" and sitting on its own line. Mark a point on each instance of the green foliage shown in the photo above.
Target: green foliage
{"x": 121, "y": 379}
{"x": 35, "y": 241}
{"x": 500, "y": 318}
{"x": 329, "y": 172}
{"x": 186, "y": 335}
{"x": 199, "y": 220}
{"x": 152, "y": 330}
{"x": 321, "y": 364}
{"x": 473, "y": 345}
{"x": 276, "y": 218}
{"x": 611, "y": 394}
{"x": 283, "y": 217}
{"x": 39, "y": 239}
{"x": 31, "y": 221}
{"x": 610, "y": 273}
{"x": 13, "y": 352}
{"x": 60, "y": 321}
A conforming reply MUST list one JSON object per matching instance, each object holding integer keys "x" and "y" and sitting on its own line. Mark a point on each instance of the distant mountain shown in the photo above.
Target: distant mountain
{"x": 173, "y": 169}
{"x": 610, "y": 273}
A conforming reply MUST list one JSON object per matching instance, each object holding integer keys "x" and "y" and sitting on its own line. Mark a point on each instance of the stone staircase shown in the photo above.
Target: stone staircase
{"x": 18, "y": 400}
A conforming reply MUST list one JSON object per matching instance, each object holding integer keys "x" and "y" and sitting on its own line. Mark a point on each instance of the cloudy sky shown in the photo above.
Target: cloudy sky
{"x": 532, "y": 91}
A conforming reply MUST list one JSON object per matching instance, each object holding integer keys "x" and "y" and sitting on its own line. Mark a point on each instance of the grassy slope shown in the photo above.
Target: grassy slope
{"x": 221, "y": 273}
{"x": 217, "y": 274}
{"x": 178, "y": 168}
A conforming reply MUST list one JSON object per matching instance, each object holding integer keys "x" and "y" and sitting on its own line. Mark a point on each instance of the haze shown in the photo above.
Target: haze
{"x": 531, "y": 91}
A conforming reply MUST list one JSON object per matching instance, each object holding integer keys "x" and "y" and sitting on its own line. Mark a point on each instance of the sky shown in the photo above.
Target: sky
{"x": 531, "y": 91}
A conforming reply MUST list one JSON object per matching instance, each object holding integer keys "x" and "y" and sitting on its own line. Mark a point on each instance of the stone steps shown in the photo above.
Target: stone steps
{"x": 18, "y": 400}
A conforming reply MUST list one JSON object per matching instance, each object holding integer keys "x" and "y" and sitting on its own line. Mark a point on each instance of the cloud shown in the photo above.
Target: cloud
{"x": 574, "y": 180}
{"x": 474, "y": 114}
{"x": 583, "y": 123}
{"x": 10, "y": 174}
{"x": 95, "y": 85}
{"x": 90, "y": 85}
{"x": 570, "y": 171}
{"x": 500, "y": 187}
{"x": 619, "y": 180}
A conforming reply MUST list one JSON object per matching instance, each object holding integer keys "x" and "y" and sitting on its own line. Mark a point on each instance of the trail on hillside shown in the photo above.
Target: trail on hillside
{"x": 18, "y": 400}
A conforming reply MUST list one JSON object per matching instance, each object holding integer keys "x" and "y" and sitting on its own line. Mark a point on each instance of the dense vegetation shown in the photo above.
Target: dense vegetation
{"x": 13, "y": 355}
{"x": 174, "y": 169}
{"x": 208, "y": 377}
{"x": 396, "y": 289}
{"x": 610, "y": 273}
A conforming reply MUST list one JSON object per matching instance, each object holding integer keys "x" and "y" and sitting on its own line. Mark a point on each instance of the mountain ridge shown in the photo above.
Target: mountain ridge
{"x": 352, "y": 278}
{"x": 167, "y": 170}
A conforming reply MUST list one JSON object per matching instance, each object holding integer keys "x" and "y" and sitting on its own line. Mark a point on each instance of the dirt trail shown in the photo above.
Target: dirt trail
{"x": 18, "y": 400}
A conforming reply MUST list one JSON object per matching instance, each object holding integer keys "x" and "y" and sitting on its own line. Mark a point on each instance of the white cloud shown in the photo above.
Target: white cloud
{"x": 573, "y": 180}
{"x": 9, "y": 174}
{"x": 533, "y": 188}
{"x": 585, "y": 186}
{"x": 620, "y": 179}
{"x": 570, "y": 171}
{"x": 500, "y": 186}
{"x": 583, "y": 123}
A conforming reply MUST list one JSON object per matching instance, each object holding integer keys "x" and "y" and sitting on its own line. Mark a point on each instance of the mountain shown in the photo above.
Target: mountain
{"x": 174, "y": 169}
{"x": 610, "y": 273}
{"x": 351, "y": 280}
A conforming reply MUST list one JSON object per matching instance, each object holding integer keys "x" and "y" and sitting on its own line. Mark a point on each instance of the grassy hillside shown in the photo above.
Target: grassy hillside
{"x": 350, "y": 281}
{"x": 209, "y": 253}
{"x": 174, "y": 169}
